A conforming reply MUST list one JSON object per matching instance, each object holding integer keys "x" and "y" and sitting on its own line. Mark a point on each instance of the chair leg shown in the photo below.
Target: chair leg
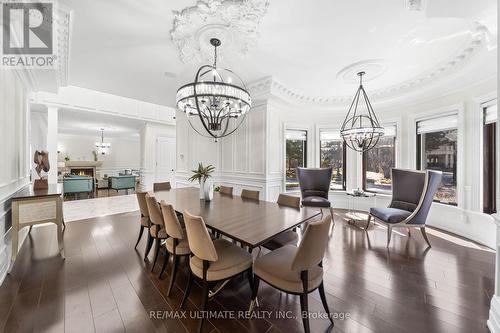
{"x": 188, "y": 288}
{"x": 424, "y": 234}
{"x": 368, "y": 222}
{"x": 203, "y": 304}
{"x": 172, "y": 275}
{"x": 409, "y": 232}
{"x": 140, "y": 235}
{"x": 149, "y": 245}
{"x": 303, "y": 301}
{"x": 321, "y": 290}
{"x": 331, "y": 214}
{"x": 165, "y": 263}
{"x": 157, "y": 252}
{"x": 389, "y": 233}
{"x": 255, "y": 290}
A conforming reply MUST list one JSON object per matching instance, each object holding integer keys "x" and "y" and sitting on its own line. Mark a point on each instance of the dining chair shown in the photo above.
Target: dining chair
{"x": 412, "y": 196}
{"x": 249, "y": 194}
{"x": 314, "y": 187}
{"x": 212, "y": 261}
{"x": 165, "y": 186}
{"x": 226, "y": 190}
{"x": 145, "y": 223}
{"x": 290, "y": 236}
{"x": 297, "y": 270}
{"x": 157, "y": 229}
{"x": 176, "y": 243}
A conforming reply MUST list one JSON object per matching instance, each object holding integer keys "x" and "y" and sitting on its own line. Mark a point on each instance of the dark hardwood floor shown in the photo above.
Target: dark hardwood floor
{"x": 105, "y": 286}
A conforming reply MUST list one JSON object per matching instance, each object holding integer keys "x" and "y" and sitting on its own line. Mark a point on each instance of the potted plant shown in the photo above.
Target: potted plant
{"x": 202, "y": 175}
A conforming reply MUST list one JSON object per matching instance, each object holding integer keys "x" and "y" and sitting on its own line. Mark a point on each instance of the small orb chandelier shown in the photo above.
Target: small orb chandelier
{"x": 102, "y": 147}
{"x": 361, "y": 130}
{"x": 217, "y": 102}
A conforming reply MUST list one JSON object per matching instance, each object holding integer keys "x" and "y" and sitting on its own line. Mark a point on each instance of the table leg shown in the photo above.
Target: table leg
{"x": 59, "y": 223}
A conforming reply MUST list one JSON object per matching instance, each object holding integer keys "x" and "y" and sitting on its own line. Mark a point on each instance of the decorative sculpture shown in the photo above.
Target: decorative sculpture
{"x": 41, "y": 159}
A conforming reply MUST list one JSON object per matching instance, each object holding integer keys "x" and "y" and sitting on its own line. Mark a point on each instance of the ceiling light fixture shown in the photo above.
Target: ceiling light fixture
{"x": 361, "y": 130}
{"x": 102, "y": 147}
{"x": 217, "y": 102}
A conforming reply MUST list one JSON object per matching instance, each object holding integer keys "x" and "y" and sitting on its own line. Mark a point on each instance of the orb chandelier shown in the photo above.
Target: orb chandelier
{"x": 217, "y": 102}
{"x": 361, "y": 130}
{"x": 102, "y": 147}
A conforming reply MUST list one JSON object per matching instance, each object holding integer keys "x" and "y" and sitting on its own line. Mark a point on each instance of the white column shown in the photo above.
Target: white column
{"x": 52, "y": 128}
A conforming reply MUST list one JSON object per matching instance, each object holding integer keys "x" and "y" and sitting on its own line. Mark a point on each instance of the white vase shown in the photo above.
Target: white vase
{"x": 202, "y": 189}
{"x": 208, "y": 187}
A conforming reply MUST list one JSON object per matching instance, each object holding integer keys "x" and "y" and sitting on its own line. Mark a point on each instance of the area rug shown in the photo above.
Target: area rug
{"x": 90, "y": 208}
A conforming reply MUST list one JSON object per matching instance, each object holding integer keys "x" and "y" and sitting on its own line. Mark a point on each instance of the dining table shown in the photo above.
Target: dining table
{"x": 249, "y": 222}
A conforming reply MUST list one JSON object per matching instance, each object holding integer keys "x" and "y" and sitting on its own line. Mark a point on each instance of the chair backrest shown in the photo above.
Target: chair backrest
{"x": 314, "y": 181}
{"x": 172, "y": 224}
{"x": 289, "y": 200}
{"x": 249, "y": 194}
{"x": 143, "y": 206}
{"x": 225, "y": 189}
{"x": 407, "y": 188}
{"x": 154, "y": 210}
{"x": 313, "y": 245}
{"x": 165, "y": 186}
{"x": 199, "y": 240}
{"x": 433, "y": 180}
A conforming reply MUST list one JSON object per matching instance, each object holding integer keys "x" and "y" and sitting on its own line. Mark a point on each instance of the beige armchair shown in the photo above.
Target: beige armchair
{"x": 176, "y": 244}
{"x": 297, "y": 270}
{"x": 226, "y": 190}
{"x": 290, "y": 236}
{"x": 157, "y": 230}
{"x": 145, "y": 223}
{"x": 212, "y": 261}
{"x": 249, "y": 194}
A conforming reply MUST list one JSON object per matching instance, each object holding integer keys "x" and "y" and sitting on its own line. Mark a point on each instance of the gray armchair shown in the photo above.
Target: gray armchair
{"x": 412, "y": 196}
{"x": 314, "y": 187}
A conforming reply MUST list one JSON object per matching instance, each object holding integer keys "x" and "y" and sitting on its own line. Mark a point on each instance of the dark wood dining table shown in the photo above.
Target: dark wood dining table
{"x": 250, "y": 222}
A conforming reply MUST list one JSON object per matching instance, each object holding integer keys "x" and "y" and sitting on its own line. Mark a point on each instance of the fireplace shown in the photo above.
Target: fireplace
{"x": 80, "y": 171}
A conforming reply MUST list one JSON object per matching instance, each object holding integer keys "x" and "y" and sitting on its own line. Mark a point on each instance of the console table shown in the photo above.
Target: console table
{"x": 30, "y": 207}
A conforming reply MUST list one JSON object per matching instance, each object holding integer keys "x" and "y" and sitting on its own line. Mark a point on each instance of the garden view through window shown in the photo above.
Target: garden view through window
{"x": 332, "y": 154}
{"x": 378, "y": 163}
{"x": 437, "y": 150}
{"x": 296, "y": 156}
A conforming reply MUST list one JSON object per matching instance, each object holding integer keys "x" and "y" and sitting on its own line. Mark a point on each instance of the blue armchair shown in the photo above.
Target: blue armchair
{"x": 122, "y": 183}
{"x": 78, "y": 184}
{"x": 412, "y": 196}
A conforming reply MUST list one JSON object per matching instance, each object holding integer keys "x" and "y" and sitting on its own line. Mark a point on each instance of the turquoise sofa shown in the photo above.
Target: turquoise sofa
{"x": 122, "y": 182}
{"x": 73, "y": 184}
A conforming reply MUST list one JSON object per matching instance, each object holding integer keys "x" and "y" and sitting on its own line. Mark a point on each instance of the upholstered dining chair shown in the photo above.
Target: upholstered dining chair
{"x": 212, "y": 261}
{"x": 297, "y": 270}
{"x": 290, "y": 236}
{"x": 176, "y": 243}
{"x": 314, "y": 187}
{"x": 165, "y": 186}
{"x": 226, "y": 190}
{"x": 157, "y": 229}
{"x": 412, "y": 195}
{"x": 145, "y": 223}
{"x": 249, "y": 194}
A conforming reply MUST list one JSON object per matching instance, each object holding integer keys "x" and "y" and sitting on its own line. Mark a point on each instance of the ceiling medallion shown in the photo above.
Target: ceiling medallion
{"x": 361, "y": 130}
{"x": 217, "y": 102}
{"x": 234, "y": 22}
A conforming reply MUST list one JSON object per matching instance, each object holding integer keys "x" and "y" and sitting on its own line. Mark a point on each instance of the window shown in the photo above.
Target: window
{"x": 296, "y": 156}
{"x": 437, "y": 150}
{"x": 489, "y": 159}
{"x": 332, "y": 154}
{"x": 378, "y": 162}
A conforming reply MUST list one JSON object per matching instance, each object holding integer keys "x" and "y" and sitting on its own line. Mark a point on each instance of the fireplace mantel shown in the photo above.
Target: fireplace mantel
{"x": 83, "y": 164}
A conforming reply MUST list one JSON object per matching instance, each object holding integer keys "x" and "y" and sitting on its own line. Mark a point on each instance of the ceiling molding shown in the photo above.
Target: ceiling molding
{"x": 62, "y": 29}
{"x": 456, "y": 61}
{"x": 234, "y": 22}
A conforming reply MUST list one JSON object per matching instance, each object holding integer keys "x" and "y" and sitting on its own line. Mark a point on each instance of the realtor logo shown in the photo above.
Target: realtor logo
{"x": 27, "y": 34}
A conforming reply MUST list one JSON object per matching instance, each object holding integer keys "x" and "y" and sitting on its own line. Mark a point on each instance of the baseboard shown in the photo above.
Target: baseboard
{"x": 6, "y": 251}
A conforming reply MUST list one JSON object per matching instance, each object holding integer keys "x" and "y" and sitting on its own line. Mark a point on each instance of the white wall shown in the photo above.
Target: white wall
{"x": 124, "y": 152}
{"x": 14, "y": 135}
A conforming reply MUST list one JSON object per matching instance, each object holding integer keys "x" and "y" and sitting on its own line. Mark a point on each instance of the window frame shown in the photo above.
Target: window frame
{"x": 344, "y": 156}
{"x": 306, "y": 151}
{"x": 489, "y": 134}
{"x": 419, "y": 153}
{"x": 364, "y": 162}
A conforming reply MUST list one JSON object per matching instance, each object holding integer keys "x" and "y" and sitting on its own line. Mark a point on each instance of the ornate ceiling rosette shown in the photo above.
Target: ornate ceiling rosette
{"x": 234, "y": 22}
